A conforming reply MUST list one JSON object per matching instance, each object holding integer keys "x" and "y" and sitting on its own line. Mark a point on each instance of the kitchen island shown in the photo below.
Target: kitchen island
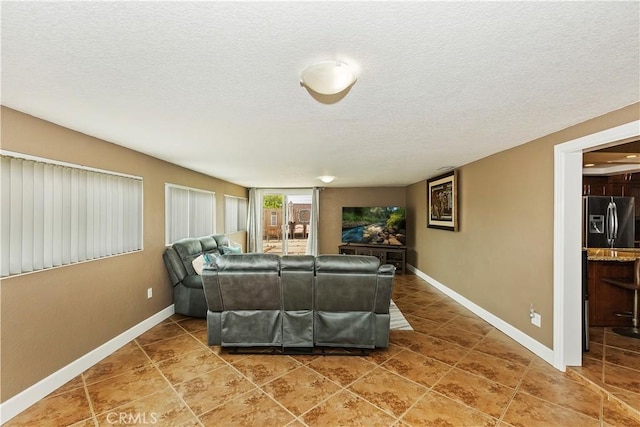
{"x": 604, "y": 299}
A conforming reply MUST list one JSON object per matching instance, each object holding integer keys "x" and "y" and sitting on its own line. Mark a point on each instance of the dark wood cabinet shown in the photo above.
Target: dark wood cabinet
{"x": 605, "y": 300}
{"x": 626, "y": 185}
{"x": 594, "y": 185}
{"x": 394, "y": 255}
{"x": 619, "y": 185}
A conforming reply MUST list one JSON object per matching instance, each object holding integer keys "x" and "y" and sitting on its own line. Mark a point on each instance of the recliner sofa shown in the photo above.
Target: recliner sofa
{"x": 188, "y": 293}
{"x": 298, "y": 301}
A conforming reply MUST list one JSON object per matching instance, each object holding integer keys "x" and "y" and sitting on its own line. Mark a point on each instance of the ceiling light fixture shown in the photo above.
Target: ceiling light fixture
{"x": 632, "y": 156}
{"x": 328, "y": 77}
{"x": 326, "y": 178}
{"x": 589, "y": 165}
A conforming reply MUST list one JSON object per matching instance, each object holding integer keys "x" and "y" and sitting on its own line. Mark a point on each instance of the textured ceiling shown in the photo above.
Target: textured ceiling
{"x": 214, "y": 86}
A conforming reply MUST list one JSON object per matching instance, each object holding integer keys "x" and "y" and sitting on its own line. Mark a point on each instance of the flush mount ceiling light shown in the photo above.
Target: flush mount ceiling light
{"x": 326, "y": 178}
{"x": 328, "y": 77}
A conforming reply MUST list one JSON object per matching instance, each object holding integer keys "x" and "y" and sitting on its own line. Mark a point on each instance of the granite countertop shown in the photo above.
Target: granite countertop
{"x": 606, "y": 254}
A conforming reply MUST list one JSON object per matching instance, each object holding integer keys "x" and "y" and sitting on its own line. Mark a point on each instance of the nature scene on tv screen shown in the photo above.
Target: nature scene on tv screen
{"x": 380, "y": 225}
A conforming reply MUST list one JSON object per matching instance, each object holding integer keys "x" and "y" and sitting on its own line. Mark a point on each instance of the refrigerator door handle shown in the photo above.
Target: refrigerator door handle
{"x": 615, "y": 221}
{"x": 610, "y": 223}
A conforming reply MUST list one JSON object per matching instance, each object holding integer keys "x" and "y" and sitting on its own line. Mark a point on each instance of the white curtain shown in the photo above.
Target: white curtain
{"x": 312, "y": 241}
{"x": 254, "y": 228}
{"x": 55, "y": 215}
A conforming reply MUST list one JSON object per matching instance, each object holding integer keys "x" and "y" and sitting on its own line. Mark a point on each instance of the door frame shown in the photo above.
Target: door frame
{"x": 567, "y": 240}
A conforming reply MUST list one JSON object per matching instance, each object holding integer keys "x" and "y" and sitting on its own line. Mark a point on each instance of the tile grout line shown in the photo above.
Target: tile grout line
{"x": 455, "y": 366}
{"x": 86, "y": 392}
{"x": 152, "y": 363}
{"x": 116, "y": 376}
{"x": 427, "y": 388}
{"x": 566, "y": 408}
{"x": 515, "y": 392}
{"x": 257, "y": 388}
{"x": 169, "y": 382}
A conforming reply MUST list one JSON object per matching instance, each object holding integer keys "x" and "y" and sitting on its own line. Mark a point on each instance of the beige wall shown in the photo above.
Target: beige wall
{"x": 502, "y": 257}
{"x": 333, "y": 199}
{"x": 53, "y": 317}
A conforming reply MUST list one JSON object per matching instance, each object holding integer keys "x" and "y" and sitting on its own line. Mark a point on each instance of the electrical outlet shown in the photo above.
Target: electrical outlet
{"x": 536, "y": 319}
{"x": 149, "y": 293}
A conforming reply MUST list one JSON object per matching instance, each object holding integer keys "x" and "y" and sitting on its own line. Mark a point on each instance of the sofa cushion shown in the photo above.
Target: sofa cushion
{"x": 347, "y": 264}
{"x": 297, "y": 275}
{"x": 221, "y": 239}
{"x": 346, "y": 283}
{"x": 193, "y": 281}
{"x": 249, "y": 262}
{"x": 210, "y": 257}
{"x": 187, "y": 250}
{"x": 197, "y": 263}
{"x": 249, "y": 281}
{"x": 208, "y": 244}
{"x": 231, "y": 249}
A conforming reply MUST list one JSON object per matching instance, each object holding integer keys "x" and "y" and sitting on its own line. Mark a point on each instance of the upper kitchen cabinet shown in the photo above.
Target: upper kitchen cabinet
{"x": 613, "y": 171}
{"x": 594, "y": 185}
{"x": 620, "y": 185}
{"x": 625, "y": 185}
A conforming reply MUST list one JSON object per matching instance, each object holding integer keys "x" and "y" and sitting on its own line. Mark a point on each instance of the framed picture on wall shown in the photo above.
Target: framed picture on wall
{"x": 442, "y": 201}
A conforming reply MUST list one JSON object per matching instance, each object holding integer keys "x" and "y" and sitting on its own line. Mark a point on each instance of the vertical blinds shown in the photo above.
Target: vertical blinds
{"x": 189, "y": 213}
{"x": 235, "y": 214}
{"x": 54, "y": 215}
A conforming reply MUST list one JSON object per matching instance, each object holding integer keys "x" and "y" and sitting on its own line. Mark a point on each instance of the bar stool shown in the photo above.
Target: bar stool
{"x": 633, "y": 331}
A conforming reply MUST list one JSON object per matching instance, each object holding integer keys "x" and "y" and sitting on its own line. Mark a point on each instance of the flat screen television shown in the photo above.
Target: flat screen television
{"x": 374, "y": 225}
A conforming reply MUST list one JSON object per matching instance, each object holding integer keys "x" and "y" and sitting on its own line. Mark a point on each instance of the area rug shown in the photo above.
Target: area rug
{"x": 398, "y": 322}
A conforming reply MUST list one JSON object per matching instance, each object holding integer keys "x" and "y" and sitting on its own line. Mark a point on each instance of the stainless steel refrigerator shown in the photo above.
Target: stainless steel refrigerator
{"x": 609, "y": 222}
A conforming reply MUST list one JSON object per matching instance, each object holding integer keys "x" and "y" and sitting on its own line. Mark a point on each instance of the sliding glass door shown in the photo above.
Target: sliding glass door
{"x": 286, "y": 221}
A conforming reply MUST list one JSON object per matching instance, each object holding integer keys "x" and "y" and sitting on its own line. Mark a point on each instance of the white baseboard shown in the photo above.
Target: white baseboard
{"x": 536, "y": 347}
{"x": 41, "y": 389}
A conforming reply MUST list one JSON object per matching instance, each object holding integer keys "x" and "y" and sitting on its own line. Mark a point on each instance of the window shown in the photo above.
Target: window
{"x": 274, "y": 218}
{"x": 189, "y": 212}
{"x": 235, "y": 214}
{"x": 56, "y": 214}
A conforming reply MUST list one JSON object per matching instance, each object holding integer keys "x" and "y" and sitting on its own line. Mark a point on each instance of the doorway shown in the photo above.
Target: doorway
{"x": 567, "y": 262}
{"x": 286, "y": 222}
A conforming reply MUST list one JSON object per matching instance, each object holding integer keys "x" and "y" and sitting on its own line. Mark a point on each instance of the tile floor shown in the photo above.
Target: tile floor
{"x": 454, "y": 369}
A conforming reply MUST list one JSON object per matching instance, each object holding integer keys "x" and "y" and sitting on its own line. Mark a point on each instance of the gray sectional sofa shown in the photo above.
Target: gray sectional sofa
{"x": 188, "y": 294}
{"x": 298, "y": 301}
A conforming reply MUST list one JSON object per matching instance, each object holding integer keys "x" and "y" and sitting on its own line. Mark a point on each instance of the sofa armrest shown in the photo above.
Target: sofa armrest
{"x": 212, "y": 288}
{"x": 174, "y": 266}
{"x": 386, "y": 273}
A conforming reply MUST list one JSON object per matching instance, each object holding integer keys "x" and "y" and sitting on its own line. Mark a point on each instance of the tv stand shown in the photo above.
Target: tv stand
{"x": 394, "y": 255}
